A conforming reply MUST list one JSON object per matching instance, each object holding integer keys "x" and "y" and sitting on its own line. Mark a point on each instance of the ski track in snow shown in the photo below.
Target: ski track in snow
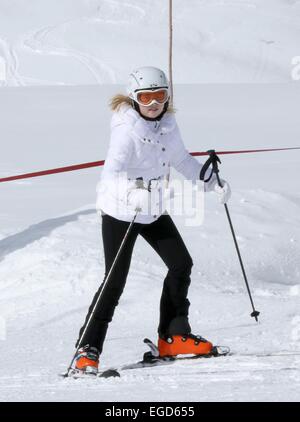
{"x": 132, "y": 7}
{"x": 12, "y": 64}
{"x": 35, "y": 42}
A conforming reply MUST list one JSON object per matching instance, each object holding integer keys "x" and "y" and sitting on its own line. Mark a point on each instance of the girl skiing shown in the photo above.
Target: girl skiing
{"x": 145, "y": 141}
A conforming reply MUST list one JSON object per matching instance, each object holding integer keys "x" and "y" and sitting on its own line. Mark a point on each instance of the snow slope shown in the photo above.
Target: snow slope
{"x": 51, "y": 255}
{"x": 61, "y": 42}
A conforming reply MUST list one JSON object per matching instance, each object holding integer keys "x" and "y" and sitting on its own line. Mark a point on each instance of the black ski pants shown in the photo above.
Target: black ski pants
{"x": 165, "y": 239}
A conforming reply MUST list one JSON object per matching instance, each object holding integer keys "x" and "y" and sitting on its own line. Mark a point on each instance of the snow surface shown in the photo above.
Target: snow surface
{"x": 51, "y": 254}
{"x": 85, "y": 42}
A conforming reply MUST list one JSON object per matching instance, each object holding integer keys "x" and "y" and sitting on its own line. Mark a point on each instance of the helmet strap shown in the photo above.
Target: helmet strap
{"x": 151, "y": 119}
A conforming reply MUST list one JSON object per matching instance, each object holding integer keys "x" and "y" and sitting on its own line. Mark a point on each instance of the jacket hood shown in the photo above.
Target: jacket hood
{"x": 126, "y": 114}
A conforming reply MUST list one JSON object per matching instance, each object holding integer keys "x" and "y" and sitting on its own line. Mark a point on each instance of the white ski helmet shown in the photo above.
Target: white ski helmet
{"x": 145, "y": 78}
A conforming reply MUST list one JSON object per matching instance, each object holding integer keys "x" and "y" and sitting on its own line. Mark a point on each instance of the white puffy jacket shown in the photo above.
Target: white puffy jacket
{"x": 141, "y": 149}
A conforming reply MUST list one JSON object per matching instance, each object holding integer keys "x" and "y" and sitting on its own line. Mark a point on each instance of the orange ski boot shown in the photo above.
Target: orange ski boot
{"x": 87, "y": 360}
{"x": 188, "y": 344}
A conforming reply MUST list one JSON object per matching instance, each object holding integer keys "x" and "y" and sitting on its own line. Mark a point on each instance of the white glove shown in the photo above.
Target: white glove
{"x": 139, "y": 199}
{"x": 224, "y": 193}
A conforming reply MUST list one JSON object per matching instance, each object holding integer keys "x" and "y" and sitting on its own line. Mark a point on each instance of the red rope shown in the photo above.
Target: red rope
{"x": 53, "y": 171}
{"x": 247, "y": 151}
{"x": 100, "y": 163}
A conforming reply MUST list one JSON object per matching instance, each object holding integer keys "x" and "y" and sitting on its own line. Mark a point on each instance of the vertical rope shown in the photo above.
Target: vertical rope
{"x": 170, "y": 68}
{"x": 171, "y": 49}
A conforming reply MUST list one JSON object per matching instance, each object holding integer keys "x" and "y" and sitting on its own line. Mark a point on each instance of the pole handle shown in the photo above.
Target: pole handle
{"x": 213, "y": 161}
{"x": 215, "y": 167}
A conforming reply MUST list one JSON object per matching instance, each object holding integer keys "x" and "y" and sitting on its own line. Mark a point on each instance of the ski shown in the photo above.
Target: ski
{"x": 284, "y": 353}
{"x": 152, "y": 359}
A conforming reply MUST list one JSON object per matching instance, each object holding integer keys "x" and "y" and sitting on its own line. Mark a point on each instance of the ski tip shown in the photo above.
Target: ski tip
{"x": 64, "y": 375}
{"x": 220, "y": 351}
{"x": 68, "y": 374}
{"x": 110, "y": 373}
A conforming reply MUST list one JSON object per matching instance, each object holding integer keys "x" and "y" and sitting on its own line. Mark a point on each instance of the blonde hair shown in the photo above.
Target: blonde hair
{"x": 119, "y": 99}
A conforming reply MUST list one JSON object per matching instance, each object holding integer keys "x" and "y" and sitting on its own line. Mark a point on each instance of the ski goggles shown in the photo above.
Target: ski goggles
{"x": 148, "y": 97}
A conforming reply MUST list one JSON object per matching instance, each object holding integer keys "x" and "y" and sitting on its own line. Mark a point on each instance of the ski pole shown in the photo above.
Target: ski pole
{"x": 105, "y": 282}
{"x": 214, "y": 160}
